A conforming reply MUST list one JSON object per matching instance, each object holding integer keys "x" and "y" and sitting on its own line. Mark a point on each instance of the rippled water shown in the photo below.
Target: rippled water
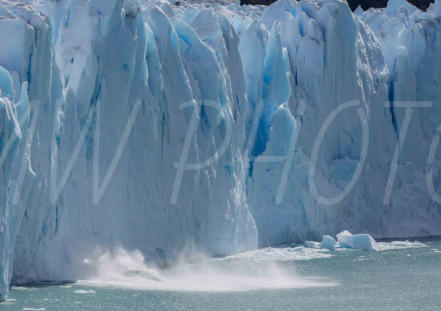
{"x": 402, "y": 276}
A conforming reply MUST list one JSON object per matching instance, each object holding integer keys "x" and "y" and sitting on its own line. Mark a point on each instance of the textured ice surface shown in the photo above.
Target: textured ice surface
{"x": 97, "y": 96}
{"x": 345, "y": 239}
{"x": 328, "y": 242}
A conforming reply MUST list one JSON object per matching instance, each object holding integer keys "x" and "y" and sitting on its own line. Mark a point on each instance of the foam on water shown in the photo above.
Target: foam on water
{"x": 24, "y": 288}
{"x": 283, "y": 254}
{"x": 384, "y": 246}
{"x": 125, "y": 269}
{"x": 251, "y": 270}
{"x": 84, "y": 291}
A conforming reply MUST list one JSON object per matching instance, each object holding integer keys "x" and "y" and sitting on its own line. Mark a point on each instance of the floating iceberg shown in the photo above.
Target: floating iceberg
{"x": 345, "y": 239}
{"x": 328, "y": 242}
{"x": 356, "y": 241}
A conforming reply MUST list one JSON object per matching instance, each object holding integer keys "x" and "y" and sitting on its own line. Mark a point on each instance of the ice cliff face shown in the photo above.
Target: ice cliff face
{"x": 386, "y": 59}
{"x": 153, "y": 126}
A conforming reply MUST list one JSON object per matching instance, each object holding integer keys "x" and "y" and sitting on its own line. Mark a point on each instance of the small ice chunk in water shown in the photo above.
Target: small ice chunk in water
{"x": 356, "y": 241}
{"x": 328, "y": 242}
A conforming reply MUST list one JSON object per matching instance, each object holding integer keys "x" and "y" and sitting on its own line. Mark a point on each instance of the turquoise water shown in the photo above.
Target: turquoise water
{"x": 394, "y": 279}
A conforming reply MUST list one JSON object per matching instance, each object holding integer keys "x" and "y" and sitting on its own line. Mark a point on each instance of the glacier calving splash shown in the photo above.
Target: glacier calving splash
{"x": 104, "y": 106}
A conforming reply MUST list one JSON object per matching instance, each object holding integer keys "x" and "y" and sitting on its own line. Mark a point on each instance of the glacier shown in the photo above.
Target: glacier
{"x": 153, "y": 126}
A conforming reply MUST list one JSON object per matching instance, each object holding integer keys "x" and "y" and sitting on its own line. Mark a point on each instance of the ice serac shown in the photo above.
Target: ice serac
{"x": 120, "y": 85}
{"x": 26, "y": 73}
{"x": 413, "y": 61}
{"x": 334, "y": 60}
{"x": 380, "y": 59}
{"x": 152, "y": 126}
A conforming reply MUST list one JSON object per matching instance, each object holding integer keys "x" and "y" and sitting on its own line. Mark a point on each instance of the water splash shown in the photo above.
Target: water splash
{"x": 124, "y": 269}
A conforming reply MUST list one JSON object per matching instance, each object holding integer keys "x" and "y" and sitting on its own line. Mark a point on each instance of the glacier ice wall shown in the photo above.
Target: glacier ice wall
{"x": 105, "y": 106}
{"x": 388, "y": 60}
